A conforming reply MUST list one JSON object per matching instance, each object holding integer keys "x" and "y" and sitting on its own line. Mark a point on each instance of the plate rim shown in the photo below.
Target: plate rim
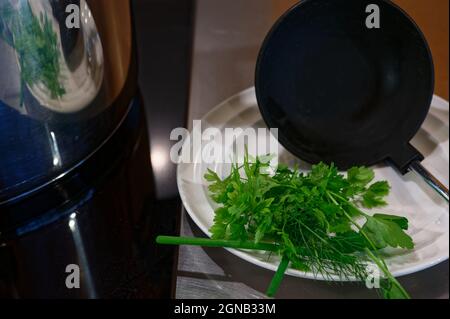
{"x": 437, "y": 103}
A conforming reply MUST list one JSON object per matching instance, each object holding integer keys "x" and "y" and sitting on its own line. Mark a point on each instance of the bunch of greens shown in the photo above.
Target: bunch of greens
{"x": 314, "y": 221}
{"x": 36, "y": 44}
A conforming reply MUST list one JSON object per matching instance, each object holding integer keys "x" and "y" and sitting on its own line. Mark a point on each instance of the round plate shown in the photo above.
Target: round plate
{"x": 410, "y": 196}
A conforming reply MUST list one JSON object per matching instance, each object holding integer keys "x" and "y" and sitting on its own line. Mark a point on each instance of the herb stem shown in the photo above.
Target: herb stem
{"x": 278, "y": 277}
{"x": 372, "y": 254}
{"x": 347, "y": 202}
{"x": 170, "y": 240}
{"x": 388, "y": 274}
{"x": 353, "y": 222}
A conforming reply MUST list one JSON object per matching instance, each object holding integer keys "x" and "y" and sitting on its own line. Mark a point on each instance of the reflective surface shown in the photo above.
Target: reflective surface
{"x": 340, "y": 92}
{"x": 57, "y": 60}
{"x": 75, "y": 180}
{"x": 164, "y": 39}
{"x": 79, "y": 186}
{"x": 62, "y": 90}
{"x": 102, "y": 230}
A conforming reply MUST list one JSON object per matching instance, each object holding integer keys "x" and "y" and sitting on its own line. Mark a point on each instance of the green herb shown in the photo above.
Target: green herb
{"x": 36, "y": 45}
{"x": 386, "y": 231}
{"x": 168, "y": 240}
{"x": 276, "y": 281}
{"x": 315, "y": 219}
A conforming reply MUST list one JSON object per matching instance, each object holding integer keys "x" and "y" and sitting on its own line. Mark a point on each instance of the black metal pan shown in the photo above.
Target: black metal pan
{"x": 339, "y": 91}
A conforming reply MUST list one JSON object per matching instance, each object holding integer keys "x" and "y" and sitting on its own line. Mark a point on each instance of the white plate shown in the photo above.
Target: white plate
{"x": 410, "y": 196}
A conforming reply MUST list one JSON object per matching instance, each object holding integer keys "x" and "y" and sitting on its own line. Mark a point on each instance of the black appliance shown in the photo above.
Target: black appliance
{"x": 74, "y": 159}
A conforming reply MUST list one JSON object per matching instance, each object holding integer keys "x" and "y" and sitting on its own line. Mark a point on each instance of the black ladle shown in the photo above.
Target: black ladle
{"x": 341, "y": 92}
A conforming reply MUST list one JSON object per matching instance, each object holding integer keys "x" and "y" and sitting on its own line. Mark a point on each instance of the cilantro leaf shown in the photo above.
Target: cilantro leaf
{"x": 386, "y": 233}
{"x": 221, "y": 221}
{"x": 212, "y": 176}
{"x": 399, "y": 220}
{"x": 374, "y": 195}
{"x": 360, "y": 176}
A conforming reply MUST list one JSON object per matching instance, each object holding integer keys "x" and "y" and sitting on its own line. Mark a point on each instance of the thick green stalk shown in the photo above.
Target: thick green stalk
{"x": 278, "y": 277}
{"x": 170, "y": 240}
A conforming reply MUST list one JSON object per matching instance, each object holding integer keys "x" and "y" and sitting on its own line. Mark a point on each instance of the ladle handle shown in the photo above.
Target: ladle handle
{"x": 418, "y": 168}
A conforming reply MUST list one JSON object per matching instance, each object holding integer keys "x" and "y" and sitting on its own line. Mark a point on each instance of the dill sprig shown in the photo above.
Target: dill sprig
{"x": 311, "y": 218}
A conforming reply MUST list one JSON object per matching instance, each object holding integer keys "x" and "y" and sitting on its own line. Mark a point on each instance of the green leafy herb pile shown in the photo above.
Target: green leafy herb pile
{"x": 314, "y": 221}
{"x": 36, "y": 45}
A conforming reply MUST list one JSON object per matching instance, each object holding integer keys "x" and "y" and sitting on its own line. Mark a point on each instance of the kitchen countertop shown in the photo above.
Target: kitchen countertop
{"x": 227, "y": 38}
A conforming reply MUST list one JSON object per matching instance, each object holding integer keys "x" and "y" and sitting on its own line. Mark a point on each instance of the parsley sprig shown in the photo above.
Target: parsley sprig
{"x": 314, "y": 221}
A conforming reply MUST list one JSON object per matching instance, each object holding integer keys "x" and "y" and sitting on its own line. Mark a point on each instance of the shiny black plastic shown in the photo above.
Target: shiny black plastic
{"x": 341, "y": 92}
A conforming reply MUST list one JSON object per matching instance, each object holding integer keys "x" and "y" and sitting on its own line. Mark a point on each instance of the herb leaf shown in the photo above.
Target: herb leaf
{"x": 373, "y": 196}
{"x": 310, "y": 217}
{"x": 387, "y": 232}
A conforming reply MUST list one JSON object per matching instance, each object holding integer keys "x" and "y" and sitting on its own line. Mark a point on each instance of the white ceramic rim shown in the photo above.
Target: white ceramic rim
{"x": 437, "y": 102}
